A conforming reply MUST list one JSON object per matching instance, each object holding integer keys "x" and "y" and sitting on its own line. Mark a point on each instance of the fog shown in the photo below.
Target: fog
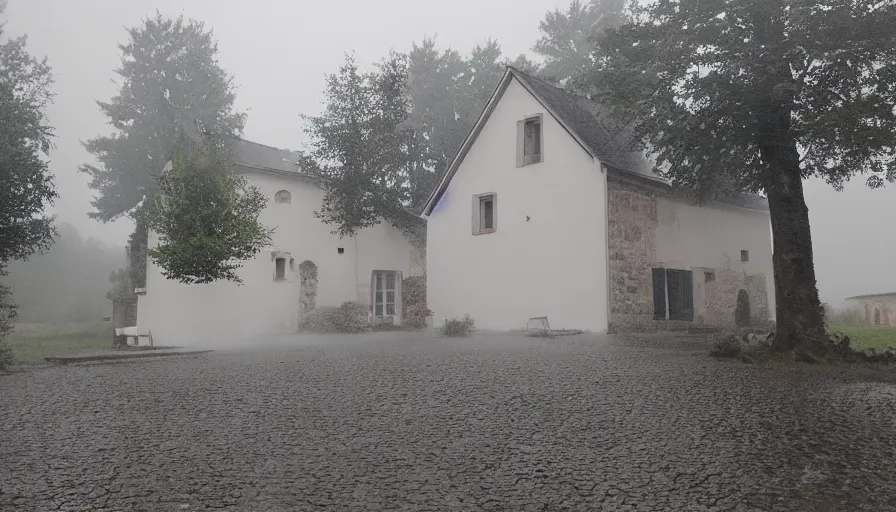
{"x": 279, "y": 52}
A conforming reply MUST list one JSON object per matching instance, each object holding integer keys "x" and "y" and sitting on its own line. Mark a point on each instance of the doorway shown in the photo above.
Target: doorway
{"x": 386, "y": 297}
{"x": 742, "y": 311}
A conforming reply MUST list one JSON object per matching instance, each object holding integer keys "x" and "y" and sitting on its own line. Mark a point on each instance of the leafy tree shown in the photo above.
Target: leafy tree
{"x": 206, "y": 216}
{"x": 26, "y": 185}
{"x": 567, "y": 38}
{"x": 761, "y": 94}
{"x": 169, "y": 78}
{"x": 359, "y": 146}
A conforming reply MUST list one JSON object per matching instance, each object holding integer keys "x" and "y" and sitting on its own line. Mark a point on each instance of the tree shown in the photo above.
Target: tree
{"x": 386, "y": 136}
{"x": 568, "y": 38}
{"x": 26, "y": 185}
{"x": 170, "y": 78}
{"x": 759, "y": 95}
{"x": 206, "y": 216}
{"x": 359, "y": 146}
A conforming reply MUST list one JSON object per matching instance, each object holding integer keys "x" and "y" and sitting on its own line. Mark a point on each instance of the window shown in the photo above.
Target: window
{"x": 745, "y": 256}
{"x": 485, "y": 215}
{"x": 529, "y": 141}
{"x": 280, "y": 269}
{"x": 673, "y": 294}
{"x": 340, "y": 250}
{"x": 283, "y": 197}
{"x": 709, "y": 277}
{"x": 384, "y": 293}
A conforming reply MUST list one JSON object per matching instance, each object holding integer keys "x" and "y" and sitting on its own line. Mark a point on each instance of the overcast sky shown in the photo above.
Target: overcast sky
{"x": 279, "y": 52}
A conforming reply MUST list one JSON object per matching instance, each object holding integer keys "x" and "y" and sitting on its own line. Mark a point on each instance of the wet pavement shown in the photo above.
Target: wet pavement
{"x": 402, "y": 422}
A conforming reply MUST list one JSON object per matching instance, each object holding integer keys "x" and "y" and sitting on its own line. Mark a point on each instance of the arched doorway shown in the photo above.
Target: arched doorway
{"x": 876, "y": 316}
{"x": 308, "y": 285}
{"x": 742, "y": 312}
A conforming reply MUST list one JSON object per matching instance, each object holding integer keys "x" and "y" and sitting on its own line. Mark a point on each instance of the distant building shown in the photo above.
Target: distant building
{"x": 306, "y": 266}
{"x": 879, "y": 309}
{"x": 546, "y": 212}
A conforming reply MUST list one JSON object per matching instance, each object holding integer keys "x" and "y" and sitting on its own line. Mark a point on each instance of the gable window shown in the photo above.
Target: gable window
{"x": 485, "y": 215}
{"x": 283, "y": 197}
{"x": 529, "y": 141}
{"x": 673, "y": 294}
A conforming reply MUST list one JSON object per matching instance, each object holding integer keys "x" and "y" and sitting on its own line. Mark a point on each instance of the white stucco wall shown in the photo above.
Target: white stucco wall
{"x": 192, "y": 314}
{"x": 548, "y": 254}
{"x": 692, "y": 238}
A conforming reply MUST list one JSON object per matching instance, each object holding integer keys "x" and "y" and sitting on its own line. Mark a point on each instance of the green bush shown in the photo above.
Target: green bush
{"x": 458, "y": 328}
{"x": 350, "y": 317}
{"x": 728, "y": 346}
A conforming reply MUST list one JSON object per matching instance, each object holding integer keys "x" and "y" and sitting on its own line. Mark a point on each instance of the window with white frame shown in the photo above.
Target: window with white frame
{"x": 485, "y": 213}
{"x": 385, "y": 293}
{"x": 529, "y": 141}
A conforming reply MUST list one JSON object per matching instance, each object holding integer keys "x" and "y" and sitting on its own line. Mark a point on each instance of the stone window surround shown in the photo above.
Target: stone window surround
{"x": 289, "y": 265}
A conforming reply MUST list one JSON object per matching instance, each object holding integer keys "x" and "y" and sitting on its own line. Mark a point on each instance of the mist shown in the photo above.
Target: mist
{"x": 68, "y": 283}
{"x": 279, "y": 53}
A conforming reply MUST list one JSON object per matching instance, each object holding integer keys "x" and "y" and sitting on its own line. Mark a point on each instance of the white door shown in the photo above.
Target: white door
{"x": 386, "y": 287}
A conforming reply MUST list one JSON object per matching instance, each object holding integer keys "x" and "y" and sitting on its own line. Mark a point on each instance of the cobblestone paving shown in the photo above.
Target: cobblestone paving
{"x": 399, "y": 422}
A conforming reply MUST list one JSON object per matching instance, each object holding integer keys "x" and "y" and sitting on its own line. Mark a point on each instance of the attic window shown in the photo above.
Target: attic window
{"x": 745, "y": 256}
{"x": 529, "y": 141}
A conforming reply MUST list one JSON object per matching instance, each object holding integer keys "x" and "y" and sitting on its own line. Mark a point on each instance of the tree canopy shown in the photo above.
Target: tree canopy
{"x": 568, "y": 37}
{"x": 758, "y": 95}
{"x": 169, "y": 77}
{"x": 26, "y": 185}
{"x": 207, "y": 219}
{"x": 386, "y": 136}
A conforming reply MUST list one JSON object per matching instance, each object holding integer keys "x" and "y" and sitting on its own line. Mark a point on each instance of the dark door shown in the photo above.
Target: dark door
{"x": 742, "y": 313}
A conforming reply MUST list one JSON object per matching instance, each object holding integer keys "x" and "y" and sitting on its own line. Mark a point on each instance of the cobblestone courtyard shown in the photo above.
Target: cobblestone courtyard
{"x": 400, "y": 422}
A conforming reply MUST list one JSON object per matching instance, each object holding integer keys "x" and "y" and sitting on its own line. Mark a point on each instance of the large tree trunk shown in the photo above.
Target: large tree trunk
{"x": 799, "y": 316}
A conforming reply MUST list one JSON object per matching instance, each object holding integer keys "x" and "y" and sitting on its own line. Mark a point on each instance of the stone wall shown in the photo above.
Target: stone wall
{"x": 632, "y": 226}
{"x": 632, "y": 243}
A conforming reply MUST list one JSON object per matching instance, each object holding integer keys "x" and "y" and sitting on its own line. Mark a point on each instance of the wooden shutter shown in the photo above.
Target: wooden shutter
{"x": 659, "y": 294}
{"x": 688, "y": 312}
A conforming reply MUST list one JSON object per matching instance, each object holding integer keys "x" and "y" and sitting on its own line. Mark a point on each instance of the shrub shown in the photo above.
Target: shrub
{"x": 728, "y": 346}
{"x": 413, "y": 290}
{"x": 350, "y": 317}
{"x": 7, "y": 316}
{"x": 458, "y": 328}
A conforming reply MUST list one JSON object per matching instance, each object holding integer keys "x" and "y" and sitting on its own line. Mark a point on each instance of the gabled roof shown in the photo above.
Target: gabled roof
{"x": 253, "y": 155}
{"x": 587, "y": 122}
{"x": 266, "y": 158}
{"x": 873, "y": 296}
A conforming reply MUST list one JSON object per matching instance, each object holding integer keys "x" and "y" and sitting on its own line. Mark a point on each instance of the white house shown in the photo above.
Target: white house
{"x": 543, "y": 212}
{"x": 307, "y": 267}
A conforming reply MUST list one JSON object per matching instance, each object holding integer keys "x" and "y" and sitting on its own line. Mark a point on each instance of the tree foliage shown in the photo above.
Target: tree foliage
{"x": 567, "y": 39}
{"x": 386, "y": 136}
{"x": 169, "y": 78}
{"x": 207, "y": 220}
{"x": 360, "y": 146}
{"x": 758, "y": 95}
{"x": 26, "y": 185}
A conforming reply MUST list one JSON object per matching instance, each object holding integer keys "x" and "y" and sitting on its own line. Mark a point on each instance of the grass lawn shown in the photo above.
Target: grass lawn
{"x": 31, "y": 343}
{"x": 868, "y": 336}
